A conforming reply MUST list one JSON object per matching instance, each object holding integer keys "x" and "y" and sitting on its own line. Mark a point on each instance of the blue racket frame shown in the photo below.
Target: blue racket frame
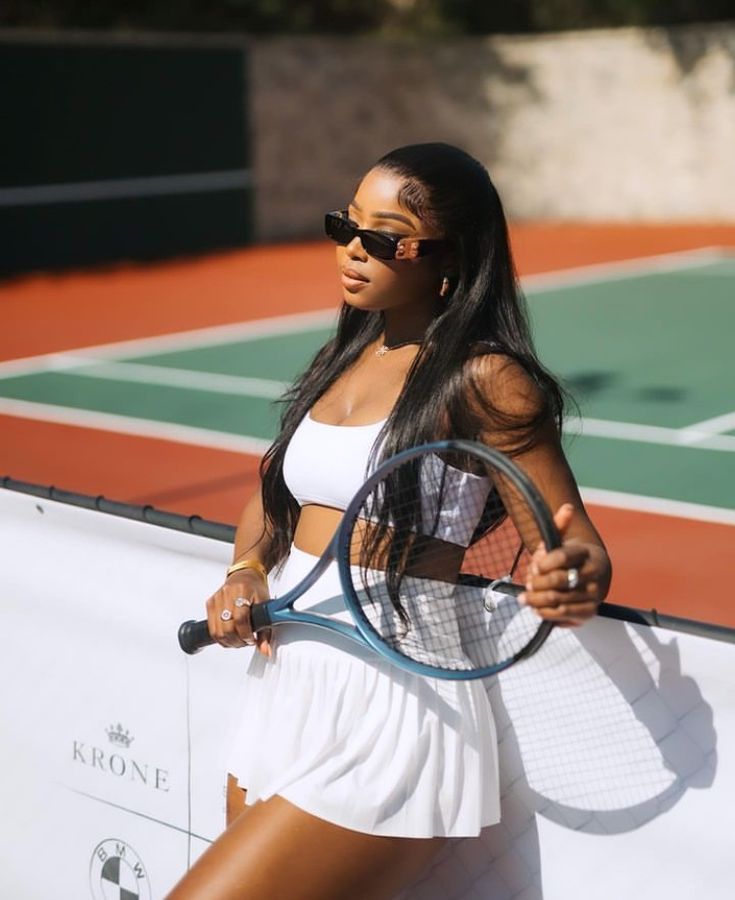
{"x": 279, "y": 611}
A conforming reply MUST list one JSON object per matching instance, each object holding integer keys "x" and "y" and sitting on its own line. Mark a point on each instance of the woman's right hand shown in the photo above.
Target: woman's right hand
{"x": 246, "y": 585}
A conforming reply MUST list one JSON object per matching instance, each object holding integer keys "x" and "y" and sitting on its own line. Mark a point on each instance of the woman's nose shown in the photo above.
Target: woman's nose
{"x": 355, "y": 250}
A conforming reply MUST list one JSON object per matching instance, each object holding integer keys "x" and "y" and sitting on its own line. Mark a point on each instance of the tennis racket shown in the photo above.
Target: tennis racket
{"x": 432, "y": 552}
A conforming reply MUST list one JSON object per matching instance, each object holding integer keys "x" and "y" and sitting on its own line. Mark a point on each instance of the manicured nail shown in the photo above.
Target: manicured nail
{"x": 522, "y": 599}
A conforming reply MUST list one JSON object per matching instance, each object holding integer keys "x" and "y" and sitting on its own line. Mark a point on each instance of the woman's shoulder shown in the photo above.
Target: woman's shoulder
{"x": 500, "y": 377}
{"x": 491, "y": 360}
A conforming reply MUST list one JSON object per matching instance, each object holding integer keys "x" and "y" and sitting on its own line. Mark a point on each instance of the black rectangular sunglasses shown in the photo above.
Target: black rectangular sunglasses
{"x": 338, "y": 227}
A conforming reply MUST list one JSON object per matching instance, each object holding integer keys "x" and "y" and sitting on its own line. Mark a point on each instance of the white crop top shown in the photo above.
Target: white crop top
{"x": 327, "y": 465}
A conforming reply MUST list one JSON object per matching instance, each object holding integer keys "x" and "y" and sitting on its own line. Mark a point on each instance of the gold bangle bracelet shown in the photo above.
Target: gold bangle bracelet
{"x": 254, "y": 564}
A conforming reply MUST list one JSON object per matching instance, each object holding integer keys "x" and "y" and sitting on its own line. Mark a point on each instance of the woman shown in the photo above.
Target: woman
{"x": 354, "y": 772}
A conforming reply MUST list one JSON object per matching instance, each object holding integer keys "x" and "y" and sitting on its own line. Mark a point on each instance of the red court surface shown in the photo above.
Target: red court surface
{"x": 51, "y": 312}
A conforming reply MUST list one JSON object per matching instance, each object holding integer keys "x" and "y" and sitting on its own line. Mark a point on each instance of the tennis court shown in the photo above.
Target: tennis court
{"x": 643, "y": 344}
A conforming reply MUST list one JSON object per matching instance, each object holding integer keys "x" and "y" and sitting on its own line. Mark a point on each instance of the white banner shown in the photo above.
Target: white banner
{"x": 617, "y": 741}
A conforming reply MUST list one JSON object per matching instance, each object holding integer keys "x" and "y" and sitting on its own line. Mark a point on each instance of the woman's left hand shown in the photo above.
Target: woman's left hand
{"x": 566, "y": 585}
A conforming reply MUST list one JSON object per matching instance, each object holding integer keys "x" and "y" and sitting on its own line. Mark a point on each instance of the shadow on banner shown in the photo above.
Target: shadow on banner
{"x": 601, "y": 734}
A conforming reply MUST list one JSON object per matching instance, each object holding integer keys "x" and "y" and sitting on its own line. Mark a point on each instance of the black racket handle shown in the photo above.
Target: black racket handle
{"x": 194, "y": 636}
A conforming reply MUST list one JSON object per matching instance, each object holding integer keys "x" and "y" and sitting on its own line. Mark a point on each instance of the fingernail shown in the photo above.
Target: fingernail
{"x": 522, "y": 599}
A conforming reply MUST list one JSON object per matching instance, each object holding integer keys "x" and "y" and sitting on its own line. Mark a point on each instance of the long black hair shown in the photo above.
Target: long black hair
{"x": 484, "y": 312}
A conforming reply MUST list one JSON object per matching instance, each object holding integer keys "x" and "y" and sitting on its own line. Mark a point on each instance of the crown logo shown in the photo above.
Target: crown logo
{"x": 119, "y": 736}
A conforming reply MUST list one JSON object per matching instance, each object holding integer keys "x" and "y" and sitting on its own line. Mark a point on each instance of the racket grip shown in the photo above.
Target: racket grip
{"x": 193, "y": 636}
{"x": 260, "y": 617}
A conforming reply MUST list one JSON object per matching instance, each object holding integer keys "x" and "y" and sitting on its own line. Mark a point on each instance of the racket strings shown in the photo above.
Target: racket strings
{"x": 437, "y": 537}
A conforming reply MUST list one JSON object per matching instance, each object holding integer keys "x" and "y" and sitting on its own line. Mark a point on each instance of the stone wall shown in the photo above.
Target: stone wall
{"x": 616, "y": 125}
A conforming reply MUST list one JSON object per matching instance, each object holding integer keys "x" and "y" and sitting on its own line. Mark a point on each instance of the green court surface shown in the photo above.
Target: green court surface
{"x": 653, "y": 350}
{"x": 280, "y": 357}
{"x": 647, "y": 355}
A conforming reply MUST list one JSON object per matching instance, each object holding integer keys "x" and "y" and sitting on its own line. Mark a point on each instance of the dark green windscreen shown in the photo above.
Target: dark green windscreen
{"x": 109, "y": 119}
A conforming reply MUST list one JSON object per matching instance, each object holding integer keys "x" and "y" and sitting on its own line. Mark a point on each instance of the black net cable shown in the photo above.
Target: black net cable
{"x": 220, "y": 531}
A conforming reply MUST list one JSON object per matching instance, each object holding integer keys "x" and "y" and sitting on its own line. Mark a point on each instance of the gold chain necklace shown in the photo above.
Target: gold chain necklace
{"x": 381, "y": 351}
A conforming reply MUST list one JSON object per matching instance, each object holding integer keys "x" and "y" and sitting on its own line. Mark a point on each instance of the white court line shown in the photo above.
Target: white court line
{"x": 676, "y": 508}
{"x": 166, "y": 376}
{"x": 215, "y": 335}
{"x": 219, "y": 440}
{"x": 716, "y": 425}
{"x": 187, "y": 379}
{"x": 288, "y": 324}
{"x": 626, "y": 268}
{"x": 147, "y": 428}
{"x": 650, "y": 434}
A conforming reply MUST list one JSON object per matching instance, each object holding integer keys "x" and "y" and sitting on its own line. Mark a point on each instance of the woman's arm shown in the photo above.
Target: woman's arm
{"x": 251, "y": 543}
{"x": 252, "y": 539}
{"x": 509, "y": 389}
{"x": 582, "y": 547}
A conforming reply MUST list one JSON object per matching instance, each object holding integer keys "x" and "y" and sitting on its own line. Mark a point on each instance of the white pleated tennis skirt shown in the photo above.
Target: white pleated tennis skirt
{"x": 348, "y": 737}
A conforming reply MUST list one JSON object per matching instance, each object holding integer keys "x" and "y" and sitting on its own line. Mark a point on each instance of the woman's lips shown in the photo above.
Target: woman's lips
{"x": 353, "y": 280}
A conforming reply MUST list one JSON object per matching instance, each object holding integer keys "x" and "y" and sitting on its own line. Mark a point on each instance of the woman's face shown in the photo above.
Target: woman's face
{"x": 378, "y": 284}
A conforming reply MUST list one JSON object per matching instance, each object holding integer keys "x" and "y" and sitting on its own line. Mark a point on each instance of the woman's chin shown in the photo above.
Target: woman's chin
{"x": 358, "y": 299}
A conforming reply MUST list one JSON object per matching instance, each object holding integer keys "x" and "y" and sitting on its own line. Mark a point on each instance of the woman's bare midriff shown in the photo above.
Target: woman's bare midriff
{"x": 315, "y": 528}
{"x": 430, "y": 557}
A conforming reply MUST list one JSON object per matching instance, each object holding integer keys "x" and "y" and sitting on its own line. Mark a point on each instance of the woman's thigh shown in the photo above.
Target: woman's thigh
{"x": 277, "y": 851}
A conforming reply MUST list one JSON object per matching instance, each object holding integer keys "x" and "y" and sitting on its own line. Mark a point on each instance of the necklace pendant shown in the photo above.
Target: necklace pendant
{"x": 381, "y": 351}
